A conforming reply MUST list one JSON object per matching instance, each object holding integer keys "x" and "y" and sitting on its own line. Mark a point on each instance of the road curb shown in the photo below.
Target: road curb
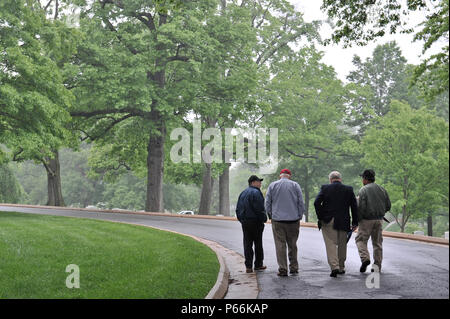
{"x": 220, "y": 288}
{"x": 419, "y": 238}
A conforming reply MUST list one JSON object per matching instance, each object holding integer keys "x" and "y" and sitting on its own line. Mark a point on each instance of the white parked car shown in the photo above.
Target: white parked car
{"x": 186, "y": 212}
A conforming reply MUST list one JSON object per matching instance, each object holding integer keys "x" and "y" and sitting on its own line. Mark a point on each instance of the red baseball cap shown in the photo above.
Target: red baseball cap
{"x": 285, "y": 171}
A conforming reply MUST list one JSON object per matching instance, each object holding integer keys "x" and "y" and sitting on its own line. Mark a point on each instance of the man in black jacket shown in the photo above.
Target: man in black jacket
{"x": 250, "y": 212}
{"x": 332, "y": 208}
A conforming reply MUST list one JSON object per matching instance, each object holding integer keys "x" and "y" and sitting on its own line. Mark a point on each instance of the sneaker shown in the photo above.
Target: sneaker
{"x": 248, "y": 270}
{"x": 341, "y": 272}
{"x": 334, "y": 273}
{"x": 364, "y": 266}
{"x": 261, "y": 268}
{"x": 293, "y": 272}
{"x": 282, "y": 273}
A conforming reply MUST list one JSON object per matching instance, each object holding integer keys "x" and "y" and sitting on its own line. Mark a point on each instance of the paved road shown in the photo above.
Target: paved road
{"x": 410, "y": 269}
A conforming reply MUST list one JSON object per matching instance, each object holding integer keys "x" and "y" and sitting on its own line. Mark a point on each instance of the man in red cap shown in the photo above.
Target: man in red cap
{"x": 284, "y": 203}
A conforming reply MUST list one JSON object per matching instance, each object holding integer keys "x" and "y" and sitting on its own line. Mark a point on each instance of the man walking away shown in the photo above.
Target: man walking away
{"x": 250, "y": 212}
{"x": 373, "y": 203}
{"x": 332, "y": 206}
{"x": 284, "y": 204}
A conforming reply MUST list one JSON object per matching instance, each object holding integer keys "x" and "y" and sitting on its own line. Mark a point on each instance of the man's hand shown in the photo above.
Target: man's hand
{"x": 354, "y": 228}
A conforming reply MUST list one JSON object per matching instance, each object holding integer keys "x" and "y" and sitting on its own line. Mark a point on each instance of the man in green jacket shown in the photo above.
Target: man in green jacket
{"x": 373, "y": 203}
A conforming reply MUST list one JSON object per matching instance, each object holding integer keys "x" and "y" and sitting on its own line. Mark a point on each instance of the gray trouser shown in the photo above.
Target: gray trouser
{"x": 335, "y": 245}
{"x": 370, "y": 229}
{"x": 286, "y": 234}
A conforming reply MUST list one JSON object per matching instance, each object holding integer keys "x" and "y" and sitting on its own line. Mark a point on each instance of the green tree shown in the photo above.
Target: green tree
{"x": 181, "y": 197}
{"x": 409, "y": 151}
{"x": 377, "y": 81}
{"x": 384, "y": 73}
{"x": 362, "y": 21}
{"x": 33, "y": 99}
{"x": 10, "y": 189}
{"x": 308, "y": 107}
{"x": 32, "y": 178}
{"x": 57, "y": 43}
{"x": 276, "y": 26}
{"x": 432, "y": 74}
{"x": 270, "y": 27}
{"x": 226, "y": 88}
{"x": 137, "y": 72}
{"x": 77, "y": 187}
{"x": 127, "y": 192}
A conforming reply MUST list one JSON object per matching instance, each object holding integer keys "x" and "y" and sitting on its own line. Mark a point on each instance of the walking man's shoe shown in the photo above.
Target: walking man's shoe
{"x": 248, "y": 270}
{"x": 375, "y": 268}
{"x": 341, "y": 272}
{"x": 364, "y": 266}
{"x": 334, "y": 273}
{"x": 293, "y": 272}
{"x": 261, "y": 268}
{"x": 282, "y": 273}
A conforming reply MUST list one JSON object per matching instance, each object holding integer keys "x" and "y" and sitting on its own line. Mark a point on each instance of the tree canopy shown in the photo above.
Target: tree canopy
{"x": 92, "y": 90}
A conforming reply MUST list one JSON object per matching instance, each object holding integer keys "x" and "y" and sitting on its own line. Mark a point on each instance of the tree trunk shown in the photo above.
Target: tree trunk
{"x": 403, "y": 223}
{"x": 306, "y": 203}
{"x": 53, "y": 169}
{"x": 207, "y": 182}
{"x": 405, "y": 197}
{"x": 207, "y": 187}
{"x": 306, "y": 190}
{"x": 224, "y": 191}
{"x": 155, "y": 148}
{"x": 155, "y": 167}
{"x": 430, "y": 224}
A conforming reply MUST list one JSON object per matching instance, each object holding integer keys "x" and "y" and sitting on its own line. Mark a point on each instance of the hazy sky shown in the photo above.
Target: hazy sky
{"x": 341, "y": 59}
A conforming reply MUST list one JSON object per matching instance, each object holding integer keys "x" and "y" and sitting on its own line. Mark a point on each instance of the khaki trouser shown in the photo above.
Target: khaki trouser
{"x": 370, "y": 229}
{"x": 335, "y": 245}
{"x": 286, "y": 234}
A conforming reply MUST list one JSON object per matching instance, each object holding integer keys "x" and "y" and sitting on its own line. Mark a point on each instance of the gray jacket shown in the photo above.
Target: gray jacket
{"x": 284, "y": 200}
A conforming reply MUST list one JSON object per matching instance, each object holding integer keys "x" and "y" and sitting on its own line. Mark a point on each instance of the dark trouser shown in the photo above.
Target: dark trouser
{"x": 253, "y": 232}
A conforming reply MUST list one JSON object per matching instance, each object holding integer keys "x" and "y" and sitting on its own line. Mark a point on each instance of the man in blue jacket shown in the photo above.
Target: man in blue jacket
{"x": 250, "y": 212}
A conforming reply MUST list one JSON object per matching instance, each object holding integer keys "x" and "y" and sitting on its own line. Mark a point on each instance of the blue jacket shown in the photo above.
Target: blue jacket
{"x": 250, "y": 206}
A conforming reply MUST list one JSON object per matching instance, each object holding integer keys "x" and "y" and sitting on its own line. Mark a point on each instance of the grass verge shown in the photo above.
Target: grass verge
{"x": 115, "y": 260}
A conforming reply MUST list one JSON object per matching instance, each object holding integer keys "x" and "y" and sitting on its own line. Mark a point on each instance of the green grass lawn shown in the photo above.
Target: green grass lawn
{"x": 115, "y": 260}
